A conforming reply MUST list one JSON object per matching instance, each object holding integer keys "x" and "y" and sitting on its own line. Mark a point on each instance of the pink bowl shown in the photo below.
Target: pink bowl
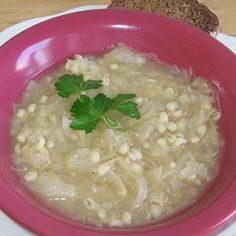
{"x": 35, "y": 50}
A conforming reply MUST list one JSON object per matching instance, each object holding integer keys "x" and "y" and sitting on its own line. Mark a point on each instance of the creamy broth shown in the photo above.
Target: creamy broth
{"x": 158, "y": 166}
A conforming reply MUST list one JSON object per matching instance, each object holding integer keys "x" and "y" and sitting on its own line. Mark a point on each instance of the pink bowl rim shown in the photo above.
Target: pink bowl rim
{"x": 40, "y": 222}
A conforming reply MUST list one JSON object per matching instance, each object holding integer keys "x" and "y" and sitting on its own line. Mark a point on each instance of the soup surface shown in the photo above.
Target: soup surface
{"x": 159, "y": 165}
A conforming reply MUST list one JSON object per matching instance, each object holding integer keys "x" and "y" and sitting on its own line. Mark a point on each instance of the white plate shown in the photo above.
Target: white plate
{"x": 7, "y": 226}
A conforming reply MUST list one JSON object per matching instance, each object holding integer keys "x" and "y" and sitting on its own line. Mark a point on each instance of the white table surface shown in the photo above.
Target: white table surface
{"x": 7, "y": 226}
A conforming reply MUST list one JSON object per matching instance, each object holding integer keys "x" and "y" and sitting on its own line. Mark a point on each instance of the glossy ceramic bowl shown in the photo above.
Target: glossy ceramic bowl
{"x": 37, "y": 50}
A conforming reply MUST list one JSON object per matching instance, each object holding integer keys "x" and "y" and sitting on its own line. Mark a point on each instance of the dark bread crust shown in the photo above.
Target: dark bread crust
{"x": 188, "y": 11}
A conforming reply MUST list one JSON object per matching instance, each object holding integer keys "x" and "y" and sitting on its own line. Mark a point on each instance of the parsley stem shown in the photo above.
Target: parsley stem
{"x": 112, "y": 124}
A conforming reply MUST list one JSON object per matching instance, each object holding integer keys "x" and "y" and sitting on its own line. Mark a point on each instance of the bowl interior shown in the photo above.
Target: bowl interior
{"x": 32, "y": 53}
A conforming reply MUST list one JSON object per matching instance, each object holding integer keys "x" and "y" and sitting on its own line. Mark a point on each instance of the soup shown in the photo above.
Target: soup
{"x": 156, "y": 166}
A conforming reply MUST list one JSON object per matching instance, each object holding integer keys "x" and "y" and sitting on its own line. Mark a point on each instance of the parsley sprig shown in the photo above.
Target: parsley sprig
{"x": 75, "y": 84}
{"x": 86, "y": 111}
{"x": 123, "y": 104}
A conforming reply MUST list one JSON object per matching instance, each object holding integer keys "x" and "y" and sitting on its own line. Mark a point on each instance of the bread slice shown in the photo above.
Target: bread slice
{"x": 190, "y": 11}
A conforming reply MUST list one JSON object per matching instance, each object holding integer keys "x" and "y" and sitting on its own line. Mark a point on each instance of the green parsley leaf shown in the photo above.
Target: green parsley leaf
{"x": 122, "y": 104}
{"x": 84, "y": 122}
{"x": 130, "y": 109}
{"x": 91, "y": 84}
{"x": 120, "y": 98}
{"x": 75, "y": 84}
{"x": 102, "y": 103}
{"x": 87, "y": 112}
{"x": 81, "y": 106}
